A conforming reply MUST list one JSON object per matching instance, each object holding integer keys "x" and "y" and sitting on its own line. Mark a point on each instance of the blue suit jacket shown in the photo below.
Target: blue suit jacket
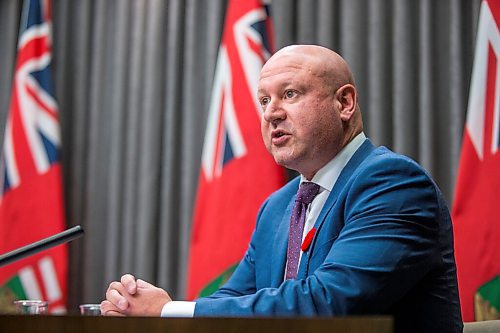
{"x": 383, "y": 245}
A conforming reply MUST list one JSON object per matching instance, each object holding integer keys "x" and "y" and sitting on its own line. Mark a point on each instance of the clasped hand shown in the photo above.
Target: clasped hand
{"x": 131, "y": 297}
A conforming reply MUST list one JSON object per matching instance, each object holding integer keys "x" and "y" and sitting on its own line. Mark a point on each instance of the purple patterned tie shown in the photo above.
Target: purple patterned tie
{"x": 305, "y": 195}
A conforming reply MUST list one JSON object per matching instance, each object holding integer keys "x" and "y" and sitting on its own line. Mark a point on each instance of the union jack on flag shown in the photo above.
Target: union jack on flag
{"x": 31, "y": 205}
{"x": 237, "y": 173}
{"x": 243, "y": 53}
{"x": 32, "y": 136}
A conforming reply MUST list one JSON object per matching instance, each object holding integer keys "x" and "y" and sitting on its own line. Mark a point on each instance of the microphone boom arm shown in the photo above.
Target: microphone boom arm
{"x": 44, "y": 244}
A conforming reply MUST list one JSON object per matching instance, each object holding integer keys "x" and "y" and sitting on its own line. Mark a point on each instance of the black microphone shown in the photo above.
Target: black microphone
{"x": 44, "y": 244}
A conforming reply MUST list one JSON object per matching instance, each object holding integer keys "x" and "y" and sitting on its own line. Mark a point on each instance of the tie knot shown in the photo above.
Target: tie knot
{"x": 306, "y": 193}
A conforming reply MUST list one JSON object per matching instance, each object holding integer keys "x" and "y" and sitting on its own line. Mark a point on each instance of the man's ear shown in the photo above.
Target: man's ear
{"x": 347, "y": 97}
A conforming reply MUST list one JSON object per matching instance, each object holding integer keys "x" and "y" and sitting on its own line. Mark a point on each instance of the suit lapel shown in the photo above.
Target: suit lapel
{"x": 363, "y": 151}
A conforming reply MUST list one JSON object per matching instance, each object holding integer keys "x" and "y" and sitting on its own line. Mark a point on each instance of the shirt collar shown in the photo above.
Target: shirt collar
{"x": 327, "y": 176}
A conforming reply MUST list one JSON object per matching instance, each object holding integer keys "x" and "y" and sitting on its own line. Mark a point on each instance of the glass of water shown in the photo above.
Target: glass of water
{"x": 90, "y": 309}
{"x": 31, "y": 307}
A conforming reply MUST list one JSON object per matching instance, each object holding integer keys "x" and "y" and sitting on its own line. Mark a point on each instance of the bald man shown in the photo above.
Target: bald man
{"x": 361, "y": 231}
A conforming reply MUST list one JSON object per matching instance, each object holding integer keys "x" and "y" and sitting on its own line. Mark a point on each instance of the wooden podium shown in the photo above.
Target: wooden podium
{"x": 76, "y": 324}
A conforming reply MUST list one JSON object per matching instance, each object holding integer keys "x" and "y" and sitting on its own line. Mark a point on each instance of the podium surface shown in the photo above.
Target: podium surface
{"x": 57, "y": 324}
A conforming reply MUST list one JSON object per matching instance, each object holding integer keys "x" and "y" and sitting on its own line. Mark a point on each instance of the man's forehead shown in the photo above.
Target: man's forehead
{"x": 278, "y": 83}
{"x": 286, "y": 63}
{"x": 290, "y": 64}
{"x": 281, "y": 74}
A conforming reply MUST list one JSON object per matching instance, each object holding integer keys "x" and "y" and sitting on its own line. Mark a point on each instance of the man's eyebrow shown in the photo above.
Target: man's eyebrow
{"x": 280, "y": 86}
{"x": 260, "y": 91}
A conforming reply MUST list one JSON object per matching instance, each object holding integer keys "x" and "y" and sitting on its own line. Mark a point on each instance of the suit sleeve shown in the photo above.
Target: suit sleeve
{"x": 388, "y": 243}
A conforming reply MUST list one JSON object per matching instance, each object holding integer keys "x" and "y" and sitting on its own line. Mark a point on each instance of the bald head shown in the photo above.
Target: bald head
{"x": 322, "y": 62}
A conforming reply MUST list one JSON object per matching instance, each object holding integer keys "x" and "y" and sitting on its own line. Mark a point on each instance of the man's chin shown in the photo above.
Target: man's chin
{"x": 284, "y": 161}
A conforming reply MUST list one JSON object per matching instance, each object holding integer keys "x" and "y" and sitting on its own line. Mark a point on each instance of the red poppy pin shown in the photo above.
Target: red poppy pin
{"x": 308, "y": 240}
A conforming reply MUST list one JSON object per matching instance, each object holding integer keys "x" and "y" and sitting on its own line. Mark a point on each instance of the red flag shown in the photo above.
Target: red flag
{"x": 476, "y": 220}
{"x": 237, "y": 173}
{"x": 31, "y": 206}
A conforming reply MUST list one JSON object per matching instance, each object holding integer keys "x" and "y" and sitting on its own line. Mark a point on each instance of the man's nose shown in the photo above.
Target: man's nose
{"x": 274, "y": 111}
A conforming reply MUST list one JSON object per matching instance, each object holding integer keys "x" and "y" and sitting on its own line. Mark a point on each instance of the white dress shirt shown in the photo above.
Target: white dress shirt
{"x": 326, "y": 177}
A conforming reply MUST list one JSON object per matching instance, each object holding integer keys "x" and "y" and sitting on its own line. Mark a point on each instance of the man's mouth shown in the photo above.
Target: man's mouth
{"x": 279, "y": 136}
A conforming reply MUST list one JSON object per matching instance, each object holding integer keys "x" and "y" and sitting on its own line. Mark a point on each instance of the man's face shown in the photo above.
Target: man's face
{"x": 301, "y": 124}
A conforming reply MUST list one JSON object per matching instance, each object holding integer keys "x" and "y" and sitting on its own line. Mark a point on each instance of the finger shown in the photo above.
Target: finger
{"x": 114, "y": 314}
{"x": 109, "y": 309}
{"x": 107, "y": 306}
{"x": 128, "y": 281}
{"x": 115, "y": 293}
{"x": 117, "y": 299}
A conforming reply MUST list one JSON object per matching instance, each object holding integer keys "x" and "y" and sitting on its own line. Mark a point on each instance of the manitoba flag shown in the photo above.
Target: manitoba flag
{"x": 475, "y": 215}
{"x": 237, "y": 173}
{"x": 31, "y": 205}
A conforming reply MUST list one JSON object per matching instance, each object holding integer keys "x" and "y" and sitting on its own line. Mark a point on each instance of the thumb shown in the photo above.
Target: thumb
{"x": 144, "y": 284}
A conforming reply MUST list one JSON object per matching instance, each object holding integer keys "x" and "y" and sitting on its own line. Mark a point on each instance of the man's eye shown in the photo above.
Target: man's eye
{"x": 289, "y": 94}
{"x": 264, "y": 101}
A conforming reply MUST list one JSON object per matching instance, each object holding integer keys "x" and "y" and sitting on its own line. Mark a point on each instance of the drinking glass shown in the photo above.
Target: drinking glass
{"x": 90, "y": 309}
{"x": 31, "y": 307}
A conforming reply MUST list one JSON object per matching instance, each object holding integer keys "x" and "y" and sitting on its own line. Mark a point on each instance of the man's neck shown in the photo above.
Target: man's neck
{"x": 331, "y": 170}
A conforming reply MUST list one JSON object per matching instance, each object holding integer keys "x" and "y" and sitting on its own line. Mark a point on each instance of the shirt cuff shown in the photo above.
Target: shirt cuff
{"x": 180, "y": 309}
